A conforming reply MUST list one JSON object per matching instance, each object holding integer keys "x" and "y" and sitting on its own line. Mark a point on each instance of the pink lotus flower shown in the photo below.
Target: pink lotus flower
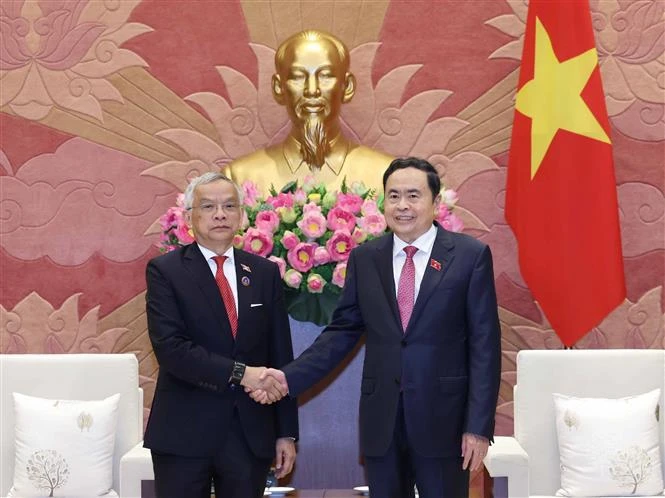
{"x": 373, "y": 224}
{"x": 184, "y": 234}
{"x": 300, "y": 197}
{"x": 301, "y": 257}
{"x": 281, "y": 200}
{"x": 173, "y": 217}
{"x": 442, "y": 213}
{"x": 341, "y": 219}
{"x": 321, "y": 256}
{"x": 339, "y": 245}
{"x": 267, "y": 221}
{"x": 308, "y": 183}
{"x": 258, "y": 242}
{"x": 251, "y": 193}
{"x": 293, "y": 278}
{"x": 311, "y": 207}
{"x": 238, "y": 241}
{"x": 280, "y": 263}
{"x": 449, "y": 197}
{"x": 313, "y": 224}
{"x": 453, "y": 223}
{"x": 369, "y": 206}
{"x": 315, "y": 283}
{"x": 350, "y": 202}
{"x": 359, "y": 235}
{"x": 289, "y": 240}
{"x": 339, "y": 274}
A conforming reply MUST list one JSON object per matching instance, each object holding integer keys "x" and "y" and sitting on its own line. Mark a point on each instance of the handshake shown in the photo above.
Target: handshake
{"x": 265, "y": 385}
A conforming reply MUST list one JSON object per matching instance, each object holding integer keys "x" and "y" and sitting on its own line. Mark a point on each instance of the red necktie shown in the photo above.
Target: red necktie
{"x": 227, "y": 294}
{"x": 406, "y": 290}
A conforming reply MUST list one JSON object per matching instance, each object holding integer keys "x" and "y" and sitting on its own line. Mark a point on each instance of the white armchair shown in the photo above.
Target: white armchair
{"x": 530, "y": 459}
{"x": 82, "y": 377}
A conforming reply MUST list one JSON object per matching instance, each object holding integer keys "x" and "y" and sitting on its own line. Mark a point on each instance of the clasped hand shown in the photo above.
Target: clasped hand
{"x": 265, "y": 385}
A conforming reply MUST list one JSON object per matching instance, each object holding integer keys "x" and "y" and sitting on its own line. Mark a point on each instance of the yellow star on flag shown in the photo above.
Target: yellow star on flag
{"x": 553, "y": 98}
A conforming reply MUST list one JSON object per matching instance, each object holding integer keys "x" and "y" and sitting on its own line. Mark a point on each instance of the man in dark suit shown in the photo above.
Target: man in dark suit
{"x": 424, "y": 297}
{"x": 212, "y": 312}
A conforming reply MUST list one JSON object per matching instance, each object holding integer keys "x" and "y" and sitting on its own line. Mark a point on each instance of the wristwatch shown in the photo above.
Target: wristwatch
{"x": 237, "y": 373}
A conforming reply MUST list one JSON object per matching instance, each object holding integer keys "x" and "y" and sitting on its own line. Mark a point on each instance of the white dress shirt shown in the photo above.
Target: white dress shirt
{"x": 229, "y": 268}
{"x": 424, "y": 243}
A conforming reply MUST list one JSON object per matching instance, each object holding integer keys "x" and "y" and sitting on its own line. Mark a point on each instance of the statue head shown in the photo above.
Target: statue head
{"x": 312, "y": 80}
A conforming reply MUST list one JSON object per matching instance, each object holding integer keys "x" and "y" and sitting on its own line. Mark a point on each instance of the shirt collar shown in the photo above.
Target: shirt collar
{"x": 339, "y": 148}
{"x": 424, "y": 243}
{"x": 208, "y": 254}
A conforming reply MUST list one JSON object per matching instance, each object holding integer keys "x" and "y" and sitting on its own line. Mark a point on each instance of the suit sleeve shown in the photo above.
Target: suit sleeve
{"x": 281, "y": 353}
{"x": 334, "y": 343}
{"x": 175, "y": 351}
{"x": 484, "y": 348}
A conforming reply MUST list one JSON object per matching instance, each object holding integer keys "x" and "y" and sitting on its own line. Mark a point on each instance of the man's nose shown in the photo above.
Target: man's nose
{"x": 219, "y": 213}
{"x": 312, "y": 86}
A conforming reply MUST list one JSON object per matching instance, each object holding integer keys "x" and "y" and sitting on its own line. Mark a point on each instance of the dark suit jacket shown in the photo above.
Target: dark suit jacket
{"x": 447, "y": 363}
{"x": 191, "y": 337}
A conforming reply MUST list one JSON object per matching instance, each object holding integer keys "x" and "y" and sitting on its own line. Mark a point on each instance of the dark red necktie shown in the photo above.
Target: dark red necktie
{"x": 227, "y": 294}
{"x": 406, "y": 290}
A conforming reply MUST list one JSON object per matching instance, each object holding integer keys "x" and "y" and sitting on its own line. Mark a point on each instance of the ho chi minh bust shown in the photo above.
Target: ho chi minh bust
{"x": 312, "y": 80}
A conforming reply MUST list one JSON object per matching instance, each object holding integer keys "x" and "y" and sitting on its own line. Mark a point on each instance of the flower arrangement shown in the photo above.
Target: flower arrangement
{"x": 309, "y": 232}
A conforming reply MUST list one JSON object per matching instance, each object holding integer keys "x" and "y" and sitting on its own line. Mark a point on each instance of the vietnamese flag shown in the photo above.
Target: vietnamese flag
{"x": 561, "y": 197}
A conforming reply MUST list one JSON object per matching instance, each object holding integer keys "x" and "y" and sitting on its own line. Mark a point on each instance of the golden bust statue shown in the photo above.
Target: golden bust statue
{"x": 312, "y": 80}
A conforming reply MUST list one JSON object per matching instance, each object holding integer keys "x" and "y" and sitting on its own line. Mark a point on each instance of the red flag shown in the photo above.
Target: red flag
{"x": 561, "y": 195}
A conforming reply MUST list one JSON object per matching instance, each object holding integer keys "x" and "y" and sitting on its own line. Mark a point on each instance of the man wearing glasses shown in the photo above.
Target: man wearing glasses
{"x": 214, "y": 312}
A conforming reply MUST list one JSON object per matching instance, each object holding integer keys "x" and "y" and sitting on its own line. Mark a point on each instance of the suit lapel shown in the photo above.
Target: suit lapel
{"x": 442, "y": 253}
{"x": 384, "y": 262}
{"x": 244, "y": 281}
{"x": 197, "y": 265}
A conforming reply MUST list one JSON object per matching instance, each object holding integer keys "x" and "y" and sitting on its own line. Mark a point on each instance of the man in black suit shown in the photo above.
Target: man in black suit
{"x": 213, "y": 311}
{"x": 425, "y": 299}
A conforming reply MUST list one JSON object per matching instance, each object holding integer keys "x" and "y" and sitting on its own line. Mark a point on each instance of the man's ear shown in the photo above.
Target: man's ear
{"x": 349, "y": 87}
{"x": 437, "y": 202}
{"x": 277, "y": 92}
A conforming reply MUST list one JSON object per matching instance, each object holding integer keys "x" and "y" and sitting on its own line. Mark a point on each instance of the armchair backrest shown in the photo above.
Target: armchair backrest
{"x": 70, "y": 376}
{"x": 603, "y": 373}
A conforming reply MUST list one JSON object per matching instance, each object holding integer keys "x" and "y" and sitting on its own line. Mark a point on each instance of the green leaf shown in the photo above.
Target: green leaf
{"x": 290, "y": 187}
{"x": 314, "y": 308}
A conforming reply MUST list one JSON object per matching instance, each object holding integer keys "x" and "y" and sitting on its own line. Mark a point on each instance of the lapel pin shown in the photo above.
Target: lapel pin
{"x": 246, "y": 268}
{"x": 435, "y": 264}
{"x": 245, "y": 281}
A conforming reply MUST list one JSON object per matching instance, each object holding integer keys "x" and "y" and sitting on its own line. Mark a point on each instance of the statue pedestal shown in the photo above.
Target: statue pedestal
{"x": 329, "y": 449}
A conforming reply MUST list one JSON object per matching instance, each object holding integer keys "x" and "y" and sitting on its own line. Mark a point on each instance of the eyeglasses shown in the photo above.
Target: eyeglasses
{"x": 210, "y": 208}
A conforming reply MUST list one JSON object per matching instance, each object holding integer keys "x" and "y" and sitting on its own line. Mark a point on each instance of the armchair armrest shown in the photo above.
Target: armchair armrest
{"x": 135, "y": 466}
{"x": 506, "y": 458}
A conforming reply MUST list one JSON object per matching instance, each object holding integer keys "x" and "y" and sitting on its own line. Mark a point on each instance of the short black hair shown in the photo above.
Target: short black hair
{"x": 433, "y": 180}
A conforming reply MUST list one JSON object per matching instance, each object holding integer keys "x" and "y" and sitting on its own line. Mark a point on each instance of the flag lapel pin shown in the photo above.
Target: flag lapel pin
{"x": 435, "y": 264}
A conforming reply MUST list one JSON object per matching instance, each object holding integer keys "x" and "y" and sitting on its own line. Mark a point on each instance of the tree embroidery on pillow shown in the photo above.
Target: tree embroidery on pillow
{"x": 571, "y": 420}
{"x": 631, "y": 467}
{"x": 84, "y": 421}
{"x": 48, "y": 470}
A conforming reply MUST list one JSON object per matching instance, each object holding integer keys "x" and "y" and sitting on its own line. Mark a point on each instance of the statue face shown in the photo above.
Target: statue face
{"x": 312, "y": 83}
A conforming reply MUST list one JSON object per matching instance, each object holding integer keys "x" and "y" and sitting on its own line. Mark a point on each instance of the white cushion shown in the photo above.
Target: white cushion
{"x": 609, "y": 447}
{"x": 64, "y": 446}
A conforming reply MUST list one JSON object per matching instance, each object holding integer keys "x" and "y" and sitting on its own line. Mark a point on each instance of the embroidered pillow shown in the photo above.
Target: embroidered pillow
{"x": 609, "y": 447}
{"x": 63, "y": 447}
